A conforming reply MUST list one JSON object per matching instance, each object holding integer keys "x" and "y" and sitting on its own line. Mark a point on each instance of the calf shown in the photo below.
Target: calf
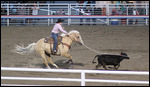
{"x": 107, "y": 59}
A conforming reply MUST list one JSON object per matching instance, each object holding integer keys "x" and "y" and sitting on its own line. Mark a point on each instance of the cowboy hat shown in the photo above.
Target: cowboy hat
{"x": 59, "y": 20}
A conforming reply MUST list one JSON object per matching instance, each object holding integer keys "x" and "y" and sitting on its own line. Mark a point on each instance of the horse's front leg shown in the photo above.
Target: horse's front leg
{"x": 68, "y": 56}
{"x": 67, "y": 61}
{"x": 70, "y": 59}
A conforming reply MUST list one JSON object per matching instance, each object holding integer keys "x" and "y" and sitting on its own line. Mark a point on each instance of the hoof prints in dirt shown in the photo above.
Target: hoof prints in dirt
{"x": 59, "y": 63}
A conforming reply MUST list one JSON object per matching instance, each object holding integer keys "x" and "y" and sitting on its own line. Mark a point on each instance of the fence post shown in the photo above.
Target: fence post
{"x": 82, "y": 78}
{"x": 69, "y": 13}
{"x": 146, "y": 21}
{"x": 127, "y": 18}
{"x": 7, "y": 14}
{"x": 51, "y": 13}
{"x": 48, "y": 14}
{"x": 107, "y": 9}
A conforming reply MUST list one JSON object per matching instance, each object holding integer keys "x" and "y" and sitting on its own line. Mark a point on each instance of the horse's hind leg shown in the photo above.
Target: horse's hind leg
{"x": 45, "y": 61}
{"x": 51, "y": 62}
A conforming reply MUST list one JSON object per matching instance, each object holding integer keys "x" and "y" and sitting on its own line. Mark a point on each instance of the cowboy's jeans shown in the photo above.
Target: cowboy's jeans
{"x": 54, "y": 36}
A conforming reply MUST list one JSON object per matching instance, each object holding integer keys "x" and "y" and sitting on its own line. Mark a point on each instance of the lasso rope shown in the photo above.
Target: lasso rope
{"x": 138, "y": 56}
{"x": 93, "y": 50}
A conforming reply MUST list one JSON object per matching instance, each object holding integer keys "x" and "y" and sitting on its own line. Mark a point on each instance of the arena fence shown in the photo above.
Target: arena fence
{"x": 83, "y": 79}
{"x": 74, "y": 19}
{"x": 108, "y": 14}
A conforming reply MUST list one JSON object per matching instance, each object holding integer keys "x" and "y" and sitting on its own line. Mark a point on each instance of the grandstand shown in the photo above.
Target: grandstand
{"x": 54, "y": 2}
{"x": 103, "y": 14}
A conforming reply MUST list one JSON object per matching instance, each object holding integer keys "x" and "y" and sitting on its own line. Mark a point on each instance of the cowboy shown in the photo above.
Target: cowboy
{"x": 35, "y": 12}
{"x": 55, "y": 32}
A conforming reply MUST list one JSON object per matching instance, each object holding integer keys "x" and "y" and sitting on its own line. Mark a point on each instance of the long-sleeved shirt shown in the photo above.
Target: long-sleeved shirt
{"x": 35, "y": 10}
{"x": 57, "y": 27}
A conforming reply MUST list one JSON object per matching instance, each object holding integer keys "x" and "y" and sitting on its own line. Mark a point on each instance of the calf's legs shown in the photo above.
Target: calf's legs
{"x": 97, "y": 66}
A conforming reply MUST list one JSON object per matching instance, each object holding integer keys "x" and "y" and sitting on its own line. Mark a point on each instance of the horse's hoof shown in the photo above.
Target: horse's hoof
{"x": 71, "y": 66}
{"x": 55, "y": 66}
{"x": 66, "y": 62}
{"x": 48, "y": 68}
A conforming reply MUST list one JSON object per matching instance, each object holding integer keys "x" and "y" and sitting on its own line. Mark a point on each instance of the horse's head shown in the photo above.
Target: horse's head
{"x": 75, "y": 36}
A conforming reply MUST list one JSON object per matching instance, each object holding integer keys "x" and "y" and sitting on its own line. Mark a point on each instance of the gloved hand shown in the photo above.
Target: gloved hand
{"x": 67, "y": 35}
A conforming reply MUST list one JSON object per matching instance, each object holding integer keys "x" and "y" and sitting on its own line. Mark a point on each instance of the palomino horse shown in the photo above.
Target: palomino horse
{"x": 43, "y": 48}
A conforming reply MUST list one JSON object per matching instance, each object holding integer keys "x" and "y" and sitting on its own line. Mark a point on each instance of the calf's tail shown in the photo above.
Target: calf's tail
{"x": 94, "y": 59}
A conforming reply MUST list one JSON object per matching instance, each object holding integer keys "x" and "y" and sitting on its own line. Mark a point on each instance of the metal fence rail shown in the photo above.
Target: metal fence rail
{"x": 83, "y": 79}
{"x": 76, "y": 19}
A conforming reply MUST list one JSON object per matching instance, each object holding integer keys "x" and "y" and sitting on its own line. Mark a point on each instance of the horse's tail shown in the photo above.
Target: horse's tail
{"x": 24, "y": 50}
{"x": 94, "y": 59}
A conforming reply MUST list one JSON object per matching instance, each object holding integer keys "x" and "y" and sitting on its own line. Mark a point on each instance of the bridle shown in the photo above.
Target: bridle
{"x": 69, "y": 46}
{"x": 69, "y": 37}
{"x": 74, "y": 37}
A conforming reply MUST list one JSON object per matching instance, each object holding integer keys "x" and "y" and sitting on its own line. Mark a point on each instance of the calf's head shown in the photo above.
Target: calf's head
{"x": 125, "y": 55}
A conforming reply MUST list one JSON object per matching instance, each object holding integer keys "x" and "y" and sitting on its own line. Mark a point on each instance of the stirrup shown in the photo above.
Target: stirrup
{"x": 54, "y": 52}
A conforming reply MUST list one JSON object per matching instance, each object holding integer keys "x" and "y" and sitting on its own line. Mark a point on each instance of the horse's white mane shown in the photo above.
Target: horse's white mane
{"x": 72, "y": 31}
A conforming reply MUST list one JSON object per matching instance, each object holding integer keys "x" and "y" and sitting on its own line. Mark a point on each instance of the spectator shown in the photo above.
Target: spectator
{"x": 35, "y": 12}
{"x": 124, "y": 8}
{"x": 81, "y": 13}
{"x": 104, "y": 10}
{"x": 94, "y": 13}
{"x": 61, "y": 12}
{"x": 130, "y": 12}
{"x": 119, "y": 12}
{"x": 88, "y": 4}
{"x": 135, "y": 12}
{"x": 78, "y": 4}
{"x": 14, "y": 10}
{"x": 29, "y": 13}
{"x": 3, "y": 12}
{"x": 99, "y": 11}
{"x": 21, "y": 11}
{"x": 117, "y": 3}
{"x": 88, "y": 12}
{"x": 113, "y": 11}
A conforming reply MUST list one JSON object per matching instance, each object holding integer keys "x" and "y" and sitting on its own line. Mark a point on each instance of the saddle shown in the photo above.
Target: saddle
{"x": 50, "y": 40}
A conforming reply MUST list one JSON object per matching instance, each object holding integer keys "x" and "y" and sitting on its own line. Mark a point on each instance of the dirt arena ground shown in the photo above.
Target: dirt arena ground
{"x": 134, "y": 40}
